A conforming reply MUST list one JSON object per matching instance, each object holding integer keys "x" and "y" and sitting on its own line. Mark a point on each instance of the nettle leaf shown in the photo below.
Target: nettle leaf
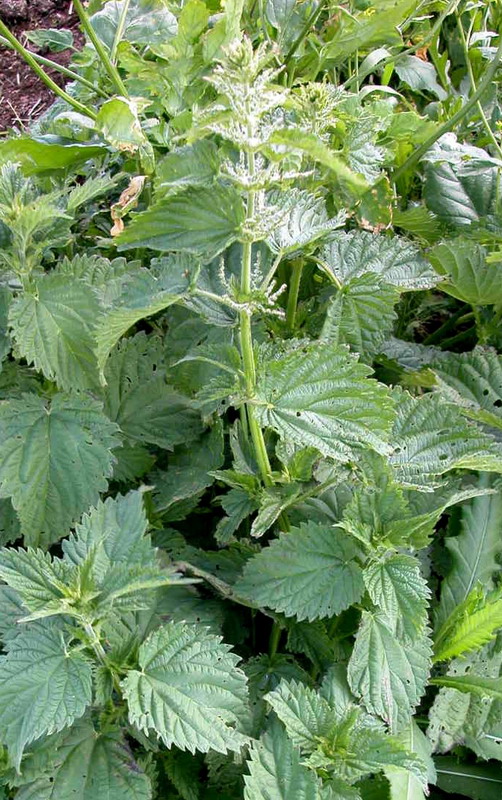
{"x": 403, "y": 784}
{"x": 5, "y": 342}
{"x": 472, "y": 624}
{"x": 466, "y": 273}
{"x": 389, "y": 675}
{"x": 398, "y": 588}
{"x": 201, "y": 221}
{"x": 142, "y": 295}
{"x": 361, "y": 314}
{"x": 472, "y": 382}
{"x": 87, "y": 765}
{"x": 348, "y": 744}
{"x": 34, "y": 575}
{"x": 276, "y": 771}
{"x": 464, "y": 718}
{"x": 432, "y": 438}
{"x": 474, "y": 549}
{"x": 185, "y": 167}
{"x": 189, "y": 690}
{"x": 311, "y": 572}
{"x": 139, "y": 400}
{"x": 472, "y": 684}
{"x": 304, "y": 220}
{"x": 306, "y": 715}
{"x": 55, "y": 458}
{"x": 395, "y": 261}
{"x": 320, "y": 396}
{"x": 44, "y": 687}
{"x": 52, "y": 325}
{"x": 189, "y": 472}
{"x": 114, "y": 532}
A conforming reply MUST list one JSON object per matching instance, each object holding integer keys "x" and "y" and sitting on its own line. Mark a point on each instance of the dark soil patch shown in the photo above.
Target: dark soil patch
{"x": 23, "y": 96}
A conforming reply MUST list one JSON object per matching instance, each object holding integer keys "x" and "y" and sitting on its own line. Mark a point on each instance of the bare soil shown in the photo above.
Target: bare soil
{"x": 23, "y": 96}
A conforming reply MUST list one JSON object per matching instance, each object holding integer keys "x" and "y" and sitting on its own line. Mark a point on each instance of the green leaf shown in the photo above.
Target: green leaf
{"x": 472, "y": 684}
{"x": 186, "y": 167}
{"x": 387, "y": 674}
{"x": 403, "y": 784}
{"x": 461, "y": 182}
{"x": 201, "y": 221}
{"x": 472, "y": 382}
{"x": 363, "y": 30}
{"x": 46, "y": 153}
{"x": 419, "y": 75}
{"x": 431, "y": 438}
{"x": 55, "y": 39}
{"x": 471, "y": 624}
{"x": 466, "y": 273}
{"x": 55, "y": 457}
{"x": 52, "y": 325}
{"x": 139, "y": 400}
{"x": 306, "y": 715}
{"x": 276, "y": 771}
{"x": 146, "y": 23}
{"x": 119, "y": 124}
{"x": 310, "y": 572}
{"x": 398, "y": 588}
{"x": 114, "y": 532}
{"x": 33, "y": 575}
{"x": 189, "y": 471}
{"x": 141, "y": 295}
{"x": 87, "y": 765}
{"x": 478, "y": 781}
{"x": 5, "y": 302}
{"x": 395, "y": 261}
{"x": 188, "y": 690}
{"x": 473, "y": 550}
{"x": 361, "y": 314}
{"x": 320, "y": 396}
{"x": 44, "y": 687}
{"x": 313, "y": 147}
{"x": 304, "y": 220}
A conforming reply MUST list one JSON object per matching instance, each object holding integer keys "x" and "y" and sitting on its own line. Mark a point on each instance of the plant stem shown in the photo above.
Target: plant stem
{"x": 447, "y": 126}
{"x": 275, "y": 637}
{"x": 246, "y": 342}
{"x": 110, "y": 68}
{"x": 100, "y": 653}
{"x": 447, "y": 326}
{"x": 294, "y": 288}
{"x": 472, "y": 80}
{"x": 120, "y": 31}
{"x": 37, "y": 69}
{"x": 308, "y": 25}
{"x": 68, "y": 73}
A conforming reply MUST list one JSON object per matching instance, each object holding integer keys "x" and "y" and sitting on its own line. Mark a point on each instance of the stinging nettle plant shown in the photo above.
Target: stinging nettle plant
{"x": 250, "y": 408}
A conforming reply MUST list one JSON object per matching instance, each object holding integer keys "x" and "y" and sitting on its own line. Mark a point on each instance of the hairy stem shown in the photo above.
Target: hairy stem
{"x": 246, "y": 342}
{"x": 100, "y": 653}
{"x": 37, "y": 69}
{"x": 275, "y": 637}
{"x": 110, "y": 68}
